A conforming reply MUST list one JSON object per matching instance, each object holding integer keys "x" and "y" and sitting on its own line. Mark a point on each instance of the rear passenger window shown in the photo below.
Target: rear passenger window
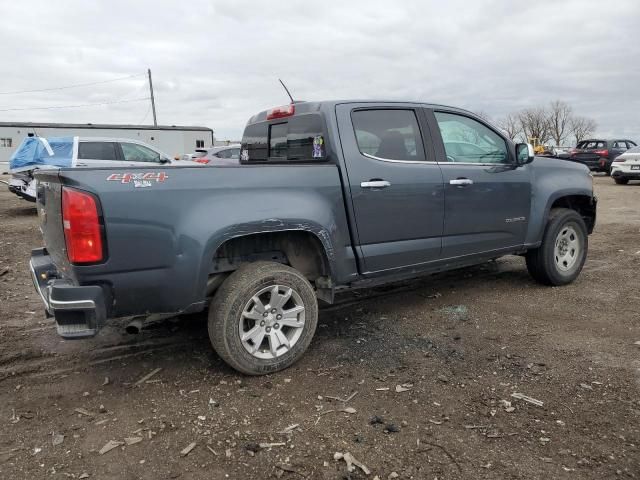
{"x": 620, "y": 144}
{"x": 388, "y": 134}
{"x": 97, "y": 151}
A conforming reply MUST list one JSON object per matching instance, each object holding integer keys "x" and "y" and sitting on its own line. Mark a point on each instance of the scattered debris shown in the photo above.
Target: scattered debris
{"x": 392, "y": 428}
{"x": 382, "y": 389}
{"x": 57, "y": 439}
{"x": 351, "y": 462}
{"x": 443, "y": 379}
{"x": 110, "y": 445}
{"x": 586, "y": 387}
{"x": 83, "y": 476}
{"x": 393, "y": 475}
{"x": 84, "y": 412}
{"x": 271, "y": 445}
{"x": 288, "y": 468}
{"x": 212, "y": 450}
{"x": 376, "y": 420}
{"x": 106, "y": 381}
{"x": 147, "y": 376}
{"x": 349, "y": 410}
{"x": 343, "y": 400}
{"x": 102, "y": 409}
{"x": 289, "y": 429}
{"x": 187, "y": 450}
{"x": 252, "y": 447}
{"x": 405, "y": 387}
{"x": 132, "y": 440}
{"x": 525, "y": 398}
{"x": 435, "y": 422}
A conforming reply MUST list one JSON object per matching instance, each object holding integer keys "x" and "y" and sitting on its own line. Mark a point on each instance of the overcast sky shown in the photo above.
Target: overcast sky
{"x": 217, "y": 63}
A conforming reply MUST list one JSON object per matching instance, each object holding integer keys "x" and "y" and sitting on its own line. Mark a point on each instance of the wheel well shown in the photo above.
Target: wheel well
{"x": 299, "y": 249}
{"x": 583, "y": 204}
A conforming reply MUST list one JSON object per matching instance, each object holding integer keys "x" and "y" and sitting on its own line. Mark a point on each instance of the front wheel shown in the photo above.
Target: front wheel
{"x": 621, "y": 180}
{"x": 263, "y": 317}
{"x": 561, "y": 256}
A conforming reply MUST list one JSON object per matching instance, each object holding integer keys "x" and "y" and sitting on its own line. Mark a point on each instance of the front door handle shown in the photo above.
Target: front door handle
{"x": 375, "y": 184}
{"x": 461, "y": 182}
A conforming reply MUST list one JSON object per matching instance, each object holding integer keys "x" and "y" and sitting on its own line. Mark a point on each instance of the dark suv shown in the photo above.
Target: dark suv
{"x": 598, "y": 154}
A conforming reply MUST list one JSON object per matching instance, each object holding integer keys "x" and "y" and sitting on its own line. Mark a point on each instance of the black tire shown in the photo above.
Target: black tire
{"x": 541, "y": 262}
{"x": 229, "y": 302}
{"x": 621, "y": 180}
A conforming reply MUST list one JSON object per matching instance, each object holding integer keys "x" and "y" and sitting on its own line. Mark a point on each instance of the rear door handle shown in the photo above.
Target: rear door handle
{"x": 461, "y": 182}
{"x": 375, "y": 184}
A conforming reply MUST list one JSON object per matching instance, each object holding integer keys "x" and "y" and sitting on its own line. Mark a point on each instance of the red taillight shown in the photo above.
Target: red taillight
{"x": 81, "y": 226}
{"x": 281, "y": 112}
{"x": 202, "y": 160}
{"x": 602, "y": 153}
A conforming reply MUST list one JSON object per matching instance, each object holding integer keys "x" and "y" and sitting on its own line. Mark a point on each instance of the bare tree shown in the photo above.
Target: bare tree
{"x": 582, "y": 127}
{"x": 559, "y": 119}
{"x": 511, "y": 126}
{"x": 535, "y": 124}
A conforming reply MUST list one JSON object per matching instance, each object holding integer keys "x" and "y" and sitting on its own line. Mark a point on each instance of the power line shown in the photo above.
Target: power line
{"x": 72, "y": 86}
{"x": 74, "y": 106}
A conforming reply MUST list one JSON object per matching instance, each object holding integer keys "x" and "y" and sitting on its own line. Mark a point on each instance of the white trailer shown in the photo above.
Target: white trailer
{"x": 173, "y": 140}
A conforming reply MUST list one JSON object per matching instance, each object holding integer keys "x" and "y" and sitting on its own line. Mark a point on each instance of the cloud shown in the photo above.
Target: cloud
{"x": 216, "y": 63}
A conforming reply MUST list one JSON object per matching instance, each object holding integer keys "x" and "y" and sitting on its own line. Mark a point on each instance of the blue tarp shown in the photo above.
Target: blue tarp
{"x": 33, "y": 153}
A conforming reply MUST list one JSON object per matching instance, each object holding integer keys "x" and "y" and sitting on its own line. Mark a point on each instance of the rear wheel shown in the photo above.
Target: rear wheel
{"x": 263, "y": 317}
{"x": 621, "y": 180}
{"x": 561, "y": 256}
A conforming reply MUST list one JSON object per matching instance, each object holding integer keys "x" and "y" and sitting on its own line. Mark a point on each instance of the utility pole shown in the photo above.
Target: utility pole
{"x": 153, "y": 102}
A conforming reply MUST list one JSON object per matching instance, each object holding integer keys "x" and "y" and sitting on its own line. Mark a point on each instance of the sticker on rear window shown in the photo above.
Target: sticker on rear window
{"x": 244, "y": 155}
{"x": 318, "y": 146}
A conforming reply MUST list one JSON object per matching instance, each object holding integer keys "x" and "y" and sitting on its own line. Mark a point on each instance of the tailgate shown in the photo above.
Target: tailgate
{"x": 49, "y": 205}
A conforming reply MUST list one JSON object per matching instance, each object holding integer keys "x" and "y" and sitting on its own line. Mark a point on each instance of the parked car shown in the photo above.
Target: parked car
{"x": 598, "y": 154}
{"x": 327, "y": 197}
{"x": 626, "y": 167}
{"x": 38, "y": 153}
{"x": 227, "y": 155}
{"x": 199, "y": 152}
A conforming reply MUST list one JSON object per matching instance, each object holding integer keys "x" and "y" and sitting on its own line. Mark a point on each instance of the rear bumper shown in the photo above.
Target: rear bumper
{"x": 79, "y": 311}
{"x": 593, "y": 164}
{"x": 632, "y": 175}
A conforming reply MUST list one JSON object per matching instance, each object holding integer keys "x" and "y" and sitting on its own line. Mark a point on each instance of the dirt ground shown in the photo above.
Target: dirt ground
{"x": 416, "y": 379}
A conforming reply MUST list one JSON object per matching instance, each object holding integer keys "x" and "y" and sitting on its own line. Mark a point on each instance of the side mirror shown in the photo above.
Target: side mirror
{"x": 524, "y": 153}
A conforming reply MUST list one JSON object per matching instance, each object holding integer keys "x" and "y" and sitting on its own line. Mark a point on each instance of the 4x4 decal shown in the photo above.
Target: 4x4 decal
{"x": 139, "y": 180}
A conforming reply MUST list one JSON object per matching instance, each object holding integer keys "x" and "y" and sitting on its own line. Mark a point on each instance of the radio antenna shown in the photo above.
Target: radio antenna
{"x": 286, "y": 90}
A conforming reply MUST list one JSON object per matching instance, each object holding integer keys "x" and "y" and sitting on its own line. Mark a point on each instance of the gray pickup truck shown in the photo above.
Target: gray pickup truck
{"x": 327, "y": 196}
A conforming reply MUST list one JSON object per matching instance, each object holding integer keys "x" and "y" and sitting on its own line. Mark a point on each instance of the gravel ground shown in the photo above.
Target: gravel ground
{"x": 415, "y": 378}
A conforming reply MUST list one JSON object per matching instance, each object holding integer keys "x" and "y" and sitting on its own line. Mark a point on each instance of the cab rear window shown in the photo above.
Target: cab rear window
{"x": 297, "y": 139}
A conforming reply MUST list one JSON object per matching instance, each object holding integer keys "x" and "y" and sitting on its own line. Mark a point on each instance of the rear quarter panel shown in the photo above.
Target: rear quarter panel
{"x": 161, "y": 239}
